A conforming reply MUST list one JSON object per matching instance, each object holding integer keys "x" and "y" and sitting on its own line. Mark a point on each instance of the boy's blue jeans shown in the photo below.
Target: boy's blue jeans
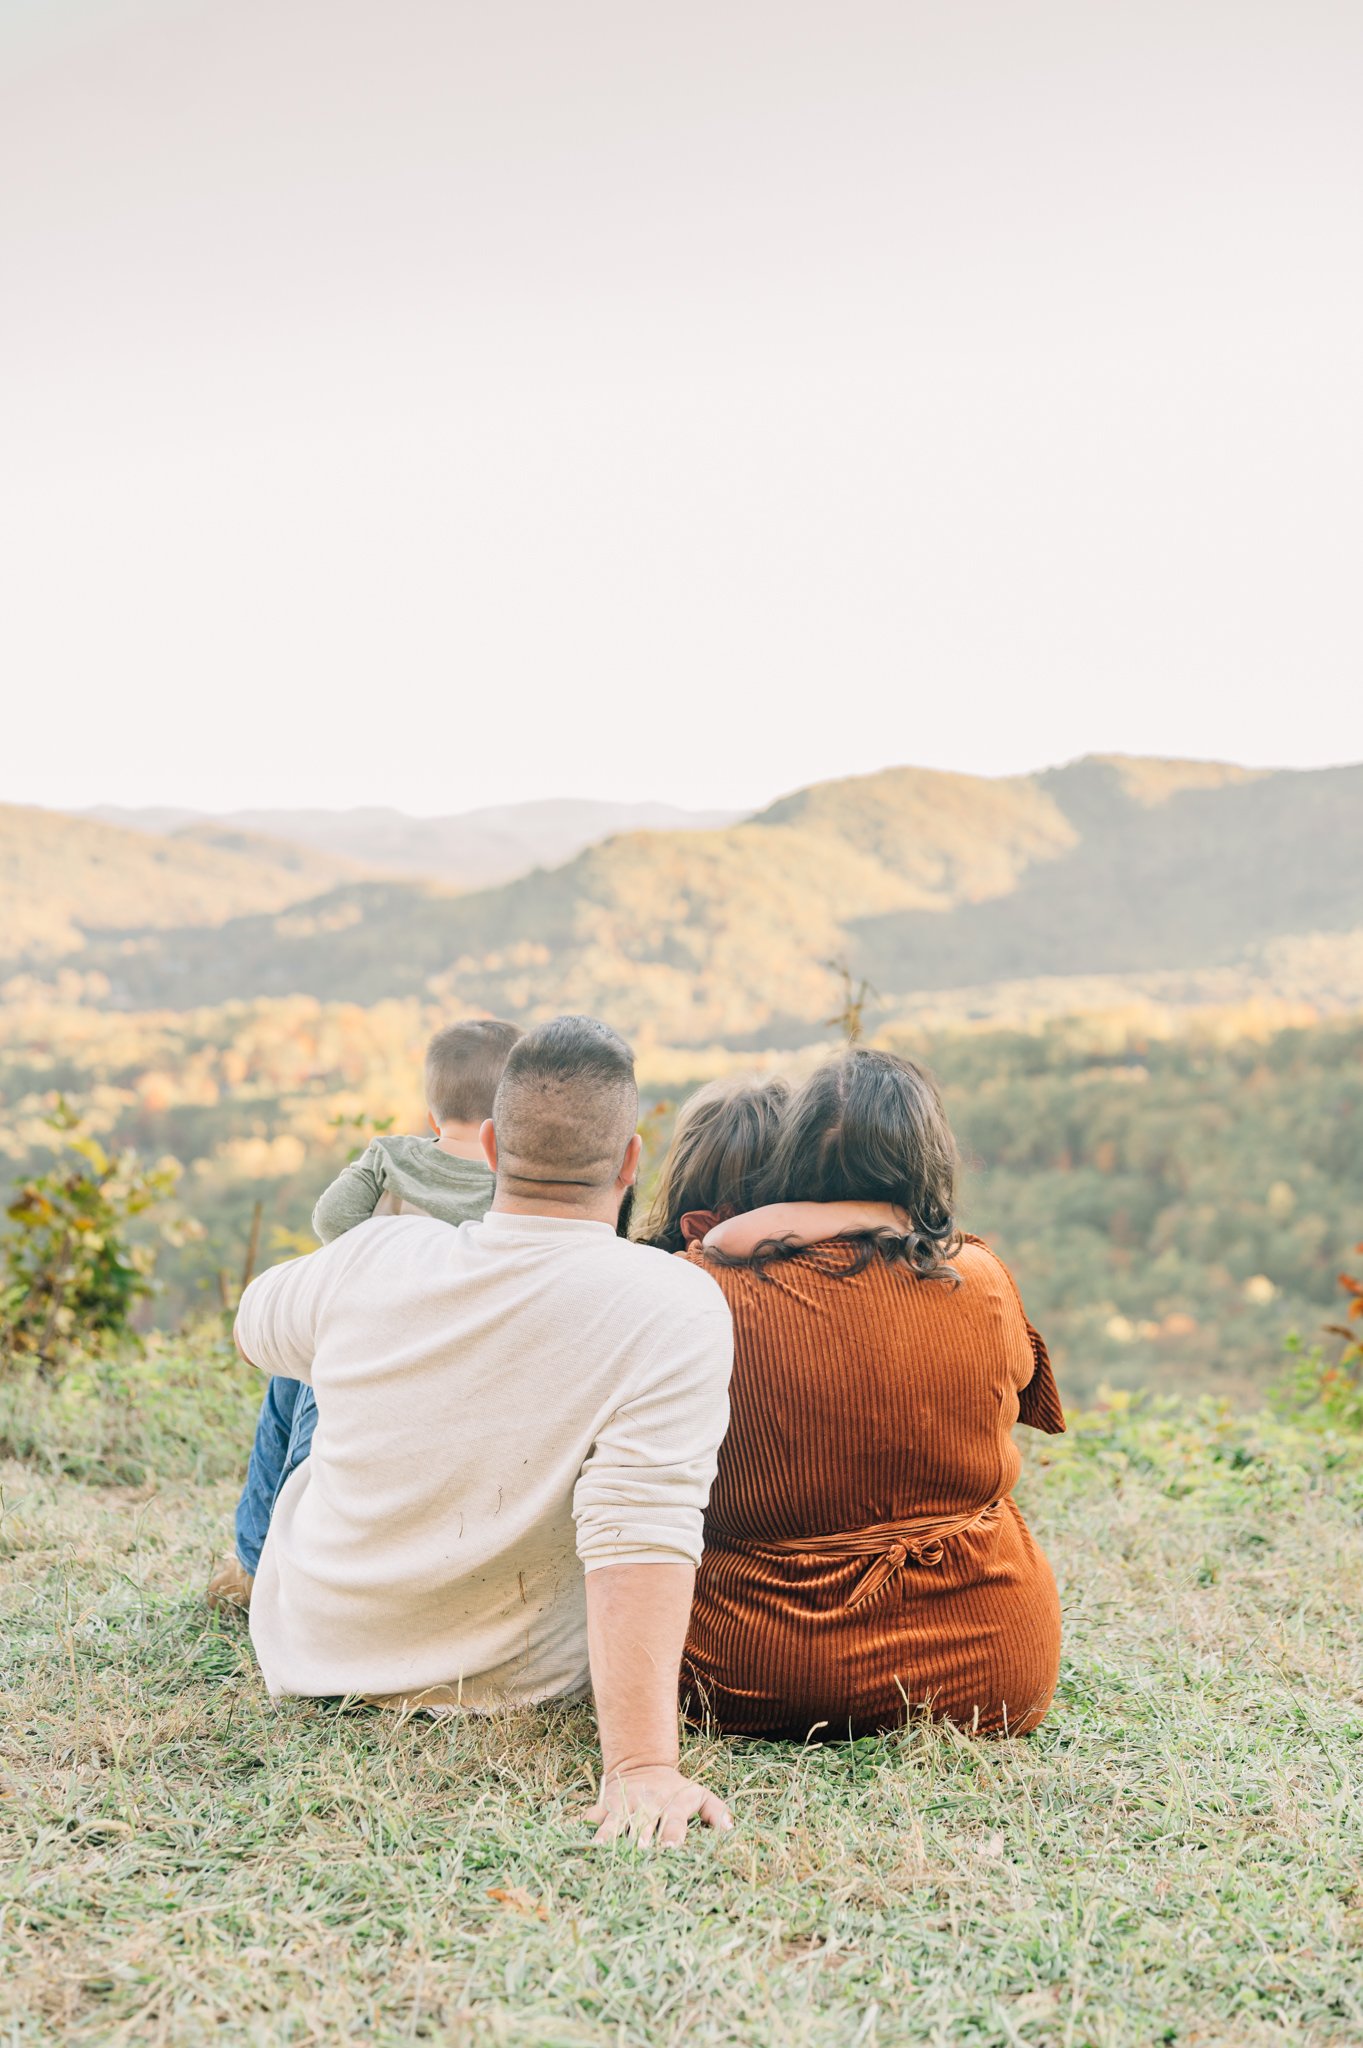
{"x": 288, "y": 1417}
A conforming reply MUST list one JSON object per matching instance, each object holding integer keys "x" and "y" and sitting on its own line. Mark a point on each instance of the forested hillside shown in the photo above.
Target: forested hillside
{"x": 923, "y": 882}
{"x": 1176, "y": 1206}
{"x": 1173, "y": 1205}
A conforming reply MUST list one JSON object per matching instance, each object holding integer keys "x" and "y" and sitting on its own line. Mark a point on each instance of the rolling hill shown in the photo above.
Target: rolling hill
{"x": 469, "y": 850}
{"x": 64, "y": 880}
{"x": 922, "y": 881}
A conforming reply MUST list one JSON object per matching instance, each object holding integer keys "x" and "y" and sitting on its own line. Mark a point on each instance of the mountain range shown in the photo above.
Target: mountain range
{"x": 917, "y": 880}
{"x": 469, "y": 850}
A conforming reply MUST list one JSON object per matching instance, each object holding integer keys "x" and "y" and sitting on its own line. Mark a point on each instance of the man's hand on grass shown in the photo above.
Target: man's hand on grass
{"x": 636, "y": 1626}
{"x": 654, "y": 1802}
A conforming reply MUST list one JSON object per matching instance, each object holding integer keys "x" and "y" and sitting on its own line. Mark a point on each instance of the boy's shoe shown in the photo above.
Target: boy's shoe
{"x": 230, "y": 1585}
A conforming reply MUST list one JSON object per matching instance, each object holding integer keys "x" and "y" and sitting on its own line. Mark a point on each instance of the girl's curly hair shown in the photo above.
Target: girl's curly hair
{"x": 869, "y": 1126}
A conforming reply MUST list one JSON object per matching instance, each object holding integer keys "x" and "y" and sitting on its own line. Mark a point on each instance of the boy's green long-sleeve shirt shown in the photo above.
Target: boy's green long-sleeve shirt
{"x": 413, "y": 1173}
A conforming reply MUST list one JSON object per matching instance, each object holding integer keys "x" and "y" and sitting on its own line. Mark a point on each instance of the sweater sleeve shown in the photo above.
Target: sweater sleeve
{"x": 640, "y": 1498}
{"x": 277, "y": 1320}
{"x": 1039, "y": 1404}
{"x": 352, "y": 1196}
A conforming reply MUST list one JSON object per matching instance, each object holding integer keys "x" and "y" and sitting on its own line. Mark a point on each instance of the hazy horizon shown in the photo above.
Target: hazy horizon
{"x": 641, "y": 797}
{"x": 438, "y": 407}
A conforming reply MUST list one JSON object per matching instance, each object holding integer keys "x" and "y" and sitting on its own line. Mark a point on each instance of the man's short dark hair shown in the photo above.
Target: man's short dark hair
{"x": 567, "y": 1105}
{"x": 464, "y": 1063}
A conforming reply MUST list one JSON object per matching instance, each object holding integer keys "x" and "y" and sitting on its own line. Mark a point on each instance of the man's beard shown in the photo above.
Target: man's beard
{"x": 623, "y": 1220}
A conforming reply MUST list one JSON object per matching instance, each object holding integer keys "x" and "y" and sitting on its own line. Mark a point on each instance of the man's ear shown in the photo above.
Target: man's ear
{"x": 629, "y": 1171}
{"x": 487, "y": 1138}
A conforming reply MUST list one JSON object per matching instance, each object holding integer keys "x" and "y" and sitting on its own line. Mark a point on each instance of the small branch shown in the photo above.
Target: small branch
{"x": 248, "y": 1271}
{"x": 61, "y": 1281}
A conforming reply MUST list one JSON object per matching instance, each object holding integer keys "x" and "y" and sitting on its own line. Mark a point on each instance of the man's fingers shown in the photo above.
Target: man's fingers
{"x": 644, "y": 1814}
{"x": 672, "y": 1833}
{"x": 635, "y": 1823}
{"x": 714, "y": 1813}
{"x": 643, "y": 1825}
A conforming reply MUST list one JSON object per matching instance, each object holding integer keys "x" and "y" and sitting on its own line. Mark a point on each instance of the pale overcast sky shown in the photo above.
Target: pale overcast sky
{"x": 424, "y": 403}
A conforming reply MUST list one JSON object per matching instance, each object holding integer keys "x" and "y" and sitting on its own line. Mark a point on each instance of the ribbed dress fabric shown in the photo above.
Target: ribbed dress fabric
{"x": 860, "y": 1400}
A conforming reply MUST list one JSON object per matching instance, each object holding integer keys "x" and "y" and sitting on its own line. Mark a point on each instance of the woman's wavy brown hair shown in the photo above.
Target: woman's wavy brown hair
{"x": 870, "y": 1127}
{"x": 723, "y": 1135}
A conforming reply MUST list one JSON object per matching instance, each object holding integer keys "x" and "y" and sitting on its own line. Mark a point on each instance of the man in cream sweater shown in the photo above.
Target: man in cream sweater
{"x": 518, "y": 1421}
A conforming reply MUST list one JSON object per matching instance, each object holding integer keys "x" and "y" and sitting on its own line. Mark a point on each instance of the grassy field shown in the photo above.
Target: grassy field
{"x": 1177, "y": 1856}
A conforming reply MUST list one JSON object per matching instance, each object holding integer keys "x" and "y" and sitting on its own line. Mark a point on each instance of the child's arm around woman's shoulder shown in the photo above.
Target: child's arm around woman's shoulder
{"x": 353, "y": 1196}
{"x": 801, "y": 1223}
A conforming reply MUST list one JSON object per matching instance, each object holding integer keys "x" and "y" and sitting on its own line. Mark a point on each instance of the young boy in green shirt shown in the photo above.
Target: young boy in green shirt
{"x": 444, "y": 1176}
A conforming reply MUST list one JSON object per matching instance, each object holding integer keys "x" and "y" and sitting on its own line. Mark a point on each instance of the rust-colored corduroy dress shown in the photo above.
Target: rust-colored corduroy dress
{"x": 863, "y": 1553}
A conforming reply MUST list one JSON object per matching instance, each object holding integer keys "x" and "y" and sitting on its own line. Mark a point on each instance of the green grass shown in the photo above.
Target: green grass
{"x": 1176, "y": 1856}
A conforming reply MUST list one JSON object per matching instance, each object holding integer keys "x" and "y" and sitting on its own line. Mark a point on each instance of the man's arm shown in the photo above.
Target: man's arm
{"x": 277, "y": 1318}
{"x": 352, "y": 1196}
{"x": 639, "y": 1506}
{"x": 636, "y": 1630}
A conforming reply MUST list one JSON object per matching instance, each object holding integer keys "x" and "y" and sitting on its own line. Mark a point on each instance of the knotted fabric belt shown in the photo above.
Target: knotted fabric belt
{"x": 889, "y": 1545}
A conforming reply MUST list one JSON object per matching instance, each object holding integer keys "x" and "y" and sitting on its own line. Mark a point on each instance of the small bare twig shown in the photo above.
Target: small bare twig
{"x": 851, "y": 1018}
{"x": 61, "y": 1281}
{"x": 248, "y": 1271}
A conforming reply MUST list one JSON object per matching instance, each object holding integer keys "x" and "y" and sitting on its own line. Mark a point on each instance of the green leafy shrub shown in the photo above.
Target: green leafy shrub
{"x": 1328, "y": 1389}
{"x": 73, "y": 1267}
{"x": 1322, "y": 1389}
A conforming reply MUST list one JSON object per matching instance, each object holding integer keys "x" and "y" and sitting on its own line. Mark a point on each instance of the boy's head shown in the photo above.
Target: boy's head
{"x": 464, "y": 1063}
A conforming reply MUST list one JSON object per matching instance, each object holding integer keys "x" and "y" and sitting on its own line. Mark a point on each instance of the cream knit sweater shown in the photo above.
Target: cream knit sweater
{"x": 501, "y": 1406}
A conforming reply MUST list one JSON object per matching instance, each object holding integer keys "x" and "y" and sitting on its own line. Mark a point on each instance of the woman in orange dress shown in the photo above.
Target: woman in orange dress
{"x": 864, "y": 1557}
